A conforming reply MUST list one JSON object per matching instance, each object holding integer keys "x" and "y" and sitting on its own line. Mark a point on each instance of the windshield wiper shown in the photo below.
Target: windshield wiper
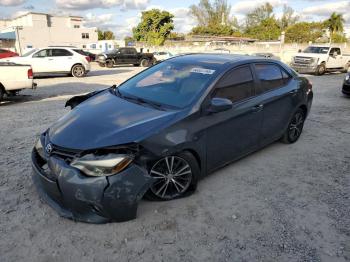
{"x": 143, "y": 101}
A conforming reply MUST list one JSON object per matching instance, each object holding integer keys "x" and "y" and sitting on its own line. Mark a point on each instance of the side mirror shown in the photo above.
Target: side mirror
{"x": 219, "y": 105}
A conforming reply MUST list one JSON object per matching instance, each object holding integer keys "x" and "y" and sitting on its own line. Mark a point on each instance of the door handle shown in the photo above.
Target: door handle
{"x": 257, "y": 108}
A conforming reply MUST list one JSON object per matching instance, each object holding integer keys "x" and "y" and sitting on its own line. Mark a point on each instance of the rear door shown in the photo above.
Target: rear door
{"x": 279, "y": 93}
{"x": 235, "y": 132}
{"x": 62, "y": 60}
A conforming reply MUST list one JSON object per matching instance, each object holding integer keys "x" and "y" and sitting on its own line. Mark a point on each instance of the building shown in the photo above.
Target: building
{"x": 103, "y": 46}
{"x": 35, "y": 30}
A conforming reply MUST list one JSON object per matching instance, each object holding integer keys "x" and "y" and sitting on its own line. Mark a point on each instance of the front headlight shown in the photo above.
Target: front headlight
{"x": 106, "y": 165}
{"x": 39, "y": 148}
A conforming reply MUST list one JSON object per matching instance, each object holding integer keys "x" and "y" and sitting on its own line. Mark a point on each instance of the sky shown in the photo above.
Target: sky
{"x": 121, "y": 16}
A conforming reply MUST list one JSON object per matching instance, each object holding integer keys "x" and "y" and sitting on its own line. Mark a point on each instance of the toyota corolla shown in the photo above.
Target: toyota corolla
{"x": 161, "y": 131}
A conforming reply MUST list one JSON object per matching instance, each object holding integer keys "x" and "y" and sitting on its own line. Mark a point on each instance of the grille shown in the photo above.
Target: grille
{"x": 303, "y": 60}
{"x": 66, "y": 154}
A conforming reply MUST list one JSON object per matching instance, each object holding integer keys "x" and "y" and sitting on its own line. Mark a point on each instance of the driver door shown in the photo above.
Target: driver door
{"x": 334, "y": 59}
{"x": 40, "y": 61}
{"x": 235, "y": 132}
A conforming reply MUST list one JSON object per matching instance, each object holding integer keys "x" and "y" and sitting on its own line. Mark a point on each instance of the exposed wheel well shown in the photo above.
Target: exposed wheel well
{"x": 75, "y": 65}
{"x": 196, "y": 156}
{"x": 304, "y": 108}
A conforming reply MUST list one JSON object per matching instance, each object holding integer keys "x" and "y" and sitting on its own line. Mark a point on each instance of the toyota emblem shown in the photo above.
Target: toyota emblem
{"x": 49, "y": 148}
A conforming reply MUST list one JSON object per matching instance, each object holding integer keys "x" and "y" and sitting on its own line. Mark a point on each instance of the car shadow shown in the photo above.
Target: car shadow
{"x": 58, "y": 92}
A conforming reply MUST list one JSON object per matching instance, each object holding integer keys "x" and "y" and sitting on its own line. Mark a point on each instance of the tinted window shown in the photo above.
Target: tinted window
{"x": 61, "y": 52}
{"x": 334, "y": 50}
{"x": 270, "y": 77}
{"x": 236, "y": 85}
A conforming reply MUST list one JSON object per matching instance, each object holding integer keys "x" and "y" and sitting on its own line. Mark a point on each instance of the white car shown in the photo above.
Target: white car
{"x": 14, "y": 77}
{"x": 55, "y": 60}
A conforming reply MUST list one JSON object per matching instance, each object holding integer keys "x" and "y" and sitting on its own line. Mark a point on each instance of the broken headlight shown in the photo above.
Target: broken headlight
{"x": 106, "y": 165}
{"x": 39, "y": 148}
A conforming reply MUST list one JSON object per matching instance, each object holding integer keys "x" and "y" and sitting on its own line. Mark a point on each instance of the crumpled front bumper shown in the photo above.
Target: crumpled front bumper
{"x": 90, "y": 199}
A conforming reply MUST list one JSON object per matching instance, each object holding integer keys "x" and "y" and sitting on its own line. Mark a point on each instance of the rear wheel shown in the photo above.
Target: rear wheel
{"x": 295, "y": 127}
{"x": 346, "y": 67}
{"x": 78, "y": 71}
{"x": 109, "y": 63}
{"x": 2, "y": 93}
{"x": 321, "y": 69}
{"x": 102, "y": 64}
{"x": 145, "y": 62}
{"x": 176, "y": 176}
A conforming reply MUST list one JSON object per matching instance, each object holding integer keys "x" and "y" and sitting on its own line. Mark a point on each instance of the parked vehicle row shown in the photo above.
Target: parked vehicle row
{"x": 321, "y": 59}
{"x": 161, "y": 131}
{"x": 14, "y": 78}
{"x": 55, "y": 60}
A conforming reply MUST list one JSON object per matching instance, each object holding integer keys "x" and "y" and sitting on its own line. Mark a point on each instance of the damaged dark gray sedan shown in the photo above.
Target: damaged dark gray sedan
{"x": 162, "y": 130}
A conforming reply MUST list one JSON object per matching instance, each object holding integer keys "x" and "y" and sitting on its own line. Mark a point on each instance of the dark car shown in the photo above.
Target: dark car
{"x": 346, "y": 85}
{"x": 125, "y": 55}
{"x": 162, "y": 130}
{"x": 7, "y": 53}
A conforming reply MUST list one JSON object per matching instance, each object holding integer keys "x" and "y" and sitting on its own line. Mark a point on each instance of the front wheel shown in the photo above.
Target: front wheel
{"x": 175, "y": 176}
{"x": 321, "y": 69}
{"x": 78, "y": 71}
{"x": 295, "y": 127}
{"x": 109, "y": 63}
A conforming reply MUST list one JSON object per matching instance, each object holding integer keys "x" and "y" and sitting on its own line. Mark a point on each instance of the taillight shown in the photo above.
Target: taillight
{"x": 88, "y": 58}
{"x": 30, "y": 73}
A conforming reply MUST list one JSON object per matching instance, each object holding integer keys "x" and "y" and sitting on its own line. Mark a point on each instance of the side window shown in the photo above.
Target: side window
{"x": 236, "y": 85}
{"x": 61, "y": 52}
{"x": 270, "y": 77}
{"x": 41, "y": 53}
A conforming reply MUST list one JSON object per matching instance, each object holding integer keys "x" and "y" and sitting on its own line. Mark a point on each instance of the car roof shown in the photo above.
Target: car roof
{"x": 217, "y": 60}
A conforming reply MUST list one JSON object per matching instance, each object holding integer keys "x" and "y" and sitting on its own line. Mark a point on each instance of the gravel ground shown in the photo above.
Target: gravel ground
{"x": 283, "y": 203}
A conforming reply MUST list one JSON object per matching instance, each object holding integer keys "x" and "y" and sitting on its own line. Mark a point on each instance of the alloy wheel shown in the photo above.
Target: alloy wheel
{"x": 296, "y": 126}
{"x": 173, "y": 177}
{"x": 78, "y": 71}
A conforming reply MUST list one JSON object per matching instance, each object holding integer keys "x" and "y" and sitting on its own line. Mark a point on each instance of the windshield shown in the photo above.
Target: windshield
{"x": 30, "y": 52}
{"x": 169, "y": 83}
{"x": 316, "y": 50}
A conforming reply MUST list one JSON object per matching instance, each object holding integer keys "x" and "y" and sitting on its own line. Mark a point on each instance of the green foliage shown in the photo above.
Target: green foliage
{"x": 128, "y": 39}
{"x": 338, "y": 38}
{"x": 267, "y": 29}
{"x": 288, "y": 17}
{"x": 155, "y": 27}
{"x": 213, "y": 18}
{"x": 258, "y": 15}
{"x": 335, "y": 24}
{"x": 304, "y": 32}
{"x": 105, "y": 35}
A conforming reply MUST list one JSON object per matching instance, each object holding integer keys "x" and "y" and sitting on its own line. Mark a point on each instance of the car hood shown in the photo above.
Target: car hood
{"x": 310, "y": 55}
{"x": 107, "y": 120}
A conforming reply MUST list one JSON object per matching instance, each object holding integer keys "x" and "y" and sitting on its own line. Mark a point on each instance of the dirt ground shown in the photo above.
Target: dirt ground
{"x": 283, "y": 203}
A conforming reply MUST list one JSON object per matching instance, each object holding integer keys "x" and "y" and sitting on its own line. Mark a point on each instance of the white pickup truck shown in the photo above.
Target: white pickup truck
{"x": 14, "y": 78}
{"x": 320, "y": 59}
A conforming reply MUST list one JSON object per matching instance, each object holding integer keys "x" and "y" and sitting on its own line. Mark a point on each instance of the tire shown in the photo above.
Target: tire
{"x": 295, "y": 127}
{"x": 145, "y": 62}
{"x": 109, "y": 63}
{"x": 321, "y": 69}
{"x": 78, "y": 71}
{"x": 175, "y": 179}
{"x": 346, "y": 67}
{"x": 2, "y": 93}
{"x": 102, "y": 64}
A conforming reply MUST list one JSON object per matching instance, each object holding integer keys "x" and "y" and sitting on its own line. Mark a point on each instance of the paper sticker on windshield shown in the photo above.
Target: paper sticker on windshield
{"x": 202, "y": 71}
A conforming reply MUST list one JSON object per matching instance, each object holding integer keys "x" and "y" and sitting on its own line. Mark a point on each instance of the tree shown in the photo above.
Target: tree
{"x": 267, "y": 29}
{"x": 154, "y": 28}
{"x": 213, "y": 18}
{"x": 259, "y": 14}
{"x": 288, "y": 17}
{"x": 105, "y": 35}
{"x": 128, "y": 39}
{"x": 335, "y": 23}
{"x": 304, "y": 32}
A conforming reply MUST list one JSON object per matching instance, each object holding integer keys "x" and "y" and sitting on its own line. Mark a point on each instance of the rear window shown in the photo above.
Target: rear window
{"x": 61, "y": 52}
{"x": 79, "y": 51}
